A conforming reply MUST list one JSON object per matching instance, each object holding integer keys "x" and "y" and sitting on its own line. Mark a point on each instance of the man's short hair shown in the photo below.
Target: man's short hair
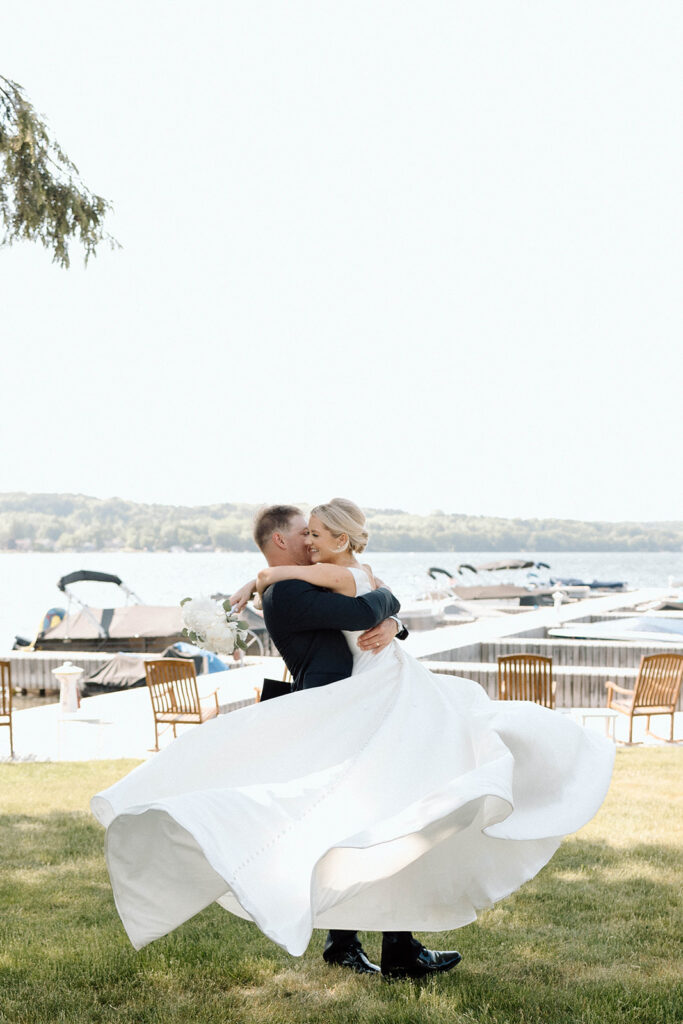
{"x": 272, "y": 519}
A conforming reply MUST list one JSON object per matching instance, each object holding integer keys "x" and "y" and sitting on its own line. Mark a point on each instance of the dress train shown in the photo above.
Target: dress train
{"x": 393, "y": 800}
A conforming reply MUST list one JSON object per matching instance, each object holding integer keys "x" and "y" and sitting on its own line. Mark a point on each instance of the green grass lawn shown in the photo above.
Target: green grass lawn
{"x": 596, "y": 937}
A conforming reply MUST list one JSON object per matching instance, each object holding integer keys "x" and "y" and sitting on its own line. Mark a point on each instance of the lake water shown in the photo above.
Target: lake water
{"x": 28, "y": 582}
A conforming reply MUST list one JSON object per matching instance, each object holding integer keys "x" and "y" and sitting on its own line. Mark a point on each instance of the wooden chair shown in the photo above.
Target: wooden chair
{"x": 655, "y": 693}
{"x": 526, "y": 677}
{"x": 6, "y": 700}
{"x": 172, "y": 684}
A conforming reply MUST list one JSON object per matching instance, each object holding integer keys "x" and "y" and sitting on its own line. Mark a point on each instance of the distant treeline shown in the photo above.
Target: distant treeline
{"x": 75, "y": 522}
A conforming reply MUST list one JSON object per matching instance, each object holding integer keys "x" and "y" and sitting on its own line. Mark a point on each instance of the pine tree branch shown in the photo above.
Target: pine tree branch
{"x": 42, "y": 197}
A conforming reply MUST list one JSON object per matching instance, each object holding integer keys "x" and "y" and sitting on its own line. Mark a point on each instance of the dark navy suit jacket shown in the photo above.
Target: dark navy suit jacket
{"x": 305, "y": 622}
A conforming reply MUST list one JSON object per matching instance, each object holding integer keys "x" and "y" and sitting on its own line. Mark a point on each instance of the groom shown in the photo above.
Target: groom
{"x": 304, "y": 623}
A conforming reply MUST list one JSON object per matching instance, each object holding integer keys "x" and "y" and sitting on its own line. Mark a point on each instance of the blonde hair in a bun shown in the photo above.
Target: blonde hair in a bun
{"x": 343, "y": 516}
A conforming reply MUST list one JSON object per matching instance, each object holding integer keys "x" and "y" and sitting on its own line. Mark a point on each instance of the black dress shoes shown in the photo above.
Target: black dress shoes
{"x": 410, "y": 959}
{"x": 350, "y": 955}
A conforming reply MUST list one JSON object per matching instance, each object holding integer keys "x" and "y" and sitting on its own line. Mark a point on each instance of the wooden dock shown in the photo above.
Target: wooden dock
{"x": 32, "y": 670}
{"x": 580, "y": 667}
{"x": 115, "y": 725}
{"x": 576, "y": 686}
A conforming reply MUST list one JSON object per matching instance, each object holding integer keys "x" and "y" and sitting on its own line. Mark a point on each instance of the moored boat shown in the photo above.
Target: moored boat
{"x": 134, "y": 627}
{"x": 475, "y": 591}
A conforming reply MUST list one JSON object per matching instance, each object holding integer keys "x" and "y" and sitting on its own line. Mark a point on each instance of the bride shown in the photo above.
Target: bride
{"x": 394, "y": 799}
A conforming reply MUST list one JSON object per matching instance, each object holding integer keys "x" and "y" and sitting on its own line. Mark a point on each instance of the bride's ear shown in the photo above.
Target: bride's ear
{"x": 342, "y": 542}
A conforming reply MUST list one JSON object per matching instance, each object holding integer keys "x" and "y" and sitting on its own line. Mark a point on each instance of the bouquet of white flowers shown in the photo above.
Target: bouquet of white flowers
{"x": 212, "y": 625}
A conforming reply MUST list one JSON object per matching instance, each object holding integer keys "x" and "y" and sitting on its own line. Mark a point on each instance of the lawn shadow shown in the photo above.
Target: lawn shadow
{"x": 593, "y": 932}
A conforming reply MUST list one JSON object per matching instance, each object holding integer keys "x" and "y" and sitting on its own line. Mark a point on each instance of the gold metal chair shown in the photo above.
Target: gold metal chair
{"x": 172, "y": 684}
{"x": 526, "y": 677}
{"x": 655, "y": 692}
{"x": 6, "y": 700}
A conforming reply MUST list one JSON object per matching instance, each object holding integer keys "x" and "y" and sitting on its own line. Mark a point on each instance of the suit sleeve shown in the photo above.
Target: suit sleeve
{"x": 310, "y": 607}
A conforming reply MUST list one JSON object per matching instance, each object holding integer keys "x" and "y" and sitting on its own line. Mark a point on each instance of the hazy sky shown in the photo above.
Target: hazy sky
{"x": 423, "y": 255}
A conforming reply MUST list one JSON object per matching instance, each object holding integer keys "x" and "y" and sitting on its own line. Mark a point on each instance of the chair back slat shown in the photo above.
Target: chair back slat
{"x": 173, "y": 689}
{"x": 526, "y": 677}
{"x": 6, "y": 700}
{"x": 659, "y": 680}
{"x": 5, "y": 689}
{"x": 172, "y": 685}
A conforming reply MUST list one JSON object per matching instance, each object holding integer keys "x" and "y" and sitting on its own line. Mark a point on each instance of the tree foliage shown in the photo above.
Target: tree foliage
{"x": 59, "y": 522}
{"x": 42, "y": 197}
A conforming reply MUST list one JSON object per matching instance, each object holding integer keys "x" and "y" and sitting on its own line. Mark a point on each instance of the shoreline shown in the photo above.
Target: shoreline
{"x": 117, "y": 724}
{"x": 511, "y": 551}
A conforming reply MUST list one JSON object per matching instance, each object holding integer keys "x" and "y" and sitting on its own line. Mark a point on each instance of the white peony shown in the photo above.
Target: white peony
{"x": 208, "y": 624}
{"x": 197, "y": 612}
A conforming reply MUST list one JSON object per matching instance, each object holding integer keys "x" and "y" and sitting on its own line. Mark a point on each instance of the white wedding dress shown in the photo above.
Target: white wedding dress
{"x": 393, "y": 800}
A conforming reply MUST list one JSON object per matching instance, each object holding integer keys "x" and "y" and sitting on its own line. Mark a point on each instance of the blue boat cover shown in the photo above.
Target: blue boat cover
{"x": 213, "y": 662}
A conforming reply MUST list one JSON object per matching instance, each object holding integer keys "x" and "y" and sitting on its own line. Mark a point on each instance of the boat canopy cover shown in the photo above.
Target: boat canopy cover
{"x": 644, "y": 627}
{"x": 502, "y": 592}
{"x": 124, "y": 671}
{"x": 119, "y": 673}
{"x": 135, "y": 620}
{"x": 507, "y": 563}
{"x": 85, "y": 574}
{"x": 573, "y": 581}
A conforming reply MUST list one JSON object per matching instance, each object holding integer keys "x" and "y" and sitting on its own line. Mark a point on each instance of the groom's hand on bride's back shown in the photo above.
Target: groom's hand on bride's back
{"x": 379, "y": 637}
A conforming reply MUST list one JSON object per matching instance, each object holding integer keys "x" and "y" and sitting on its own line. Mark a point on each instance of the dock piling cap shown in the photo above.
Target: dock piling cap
{"x": 67, "y": 669}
